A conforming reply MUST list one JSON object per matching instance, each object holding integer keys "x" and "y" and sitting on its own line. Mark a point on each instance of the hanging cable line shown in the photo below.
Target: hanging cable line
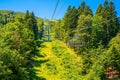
{"x": 55, "y": 9}
{"x": 65, "y": 1}
{"x": 47, "y": 28}
{"x": 81, "y": 43}
{"x": 109, "y": 20}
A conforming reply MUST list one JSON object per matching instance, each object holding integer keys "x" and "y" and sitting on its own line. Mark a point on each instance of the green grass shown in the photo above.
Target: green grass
{"x": 58, "y": 62}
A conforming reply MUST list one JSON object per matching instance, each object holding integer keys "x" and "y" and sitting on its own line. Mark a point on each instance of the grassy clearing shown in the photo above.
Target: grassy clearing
{"x": 59, "y": 62}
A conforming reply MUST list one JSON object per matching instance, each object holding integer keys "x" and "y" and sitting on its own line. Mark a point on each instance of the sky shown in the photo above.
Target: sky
{"x": 45, "y": 8}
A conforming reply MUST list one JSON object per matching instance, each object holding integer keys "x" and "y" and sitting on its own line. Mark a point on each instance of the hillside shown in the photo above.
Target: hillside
{"x": 58, "y": 62}
{"x": 32, "y": 48}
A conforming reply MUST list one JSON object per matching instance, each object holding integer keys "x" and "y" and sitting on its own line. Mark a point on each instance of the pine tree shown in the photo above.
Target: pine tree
{"x": 106, "y": 3}
{"x": 84, "y": 9}
{"x": 110, "y": 23}
{"x": 31, "y": 23}
{"x": 34, "y": 25}
{"x": 81, "y": 7}
{"x": 113, "y": 24}
{"x": 42, "y": 30}
{"x": 87, "y": 10}
{"x": 99, "y": 9}
{"x": 27, "y": 15}
{"x": 84, "y": 23}
{"x": 84, "y": 29}
{"x": 69, "y": 21}
{"x": 98, "y": 31}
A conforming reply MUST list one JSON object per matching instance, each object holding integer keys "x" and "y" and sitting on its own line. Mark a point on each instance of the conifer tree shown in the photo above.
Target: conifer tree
{"x": 110, "y": 22}
{"x": 27, "y": 15}
{"x": 34, "y": 26}
{"x": 106, "y": 3}
{"x": 99, "y": 9}
{"x": 69, "y": 21}
{"x": 31, "y": 23}
{"x": 84, "y": 29}
{"x": 84, "y": 23}
{"x": 84, "y": 9}
{"x": 113, "y": 24}
{"x": 81, "y": 7}
{"x": 87, "y": 10}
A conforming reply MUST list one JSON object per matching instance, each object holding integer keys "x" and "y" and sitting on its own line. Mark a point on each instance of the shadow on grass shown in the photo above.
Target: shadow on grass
{"x": 37, "y": 53}
{"x": 33, "y": 75}
{"x": 36, "y": 63}
{"x": 32, "y": 71}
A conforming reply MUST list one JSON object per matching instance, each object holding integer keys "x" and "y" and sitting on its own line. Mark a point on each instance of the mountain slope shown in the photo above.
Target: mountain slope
{"x": 59, "y": 62}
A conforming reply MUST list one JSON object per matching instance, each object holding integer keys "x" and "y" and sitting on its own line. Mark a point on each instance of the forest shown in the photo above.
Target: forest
{"x": 81, "y": 46}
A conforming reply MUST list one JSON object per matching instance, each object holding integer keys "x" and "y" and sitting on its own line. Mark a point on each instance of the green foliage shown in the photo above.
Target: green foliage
{"x": 98, "y": 31}
{"x": 114, "y": 52}
{"x": 99, "y": 9}
{"x": 69, "y": 61}
{"x": 68, "y": 23}
{"x": 111, "y": 27}
{"x": 84, "y": 9}
{"x": 20, "y": 33}
{"x": 31, "y": 23}
{"x": 62, "y": 64}
{"x": 94, "y": 61}
{"x": 83, "y": 29}
{"x": 17, "y": 43}
{"x": 94, "y": 31}
{"x": 10, "y": 16}
{"x": 12, "y": 64}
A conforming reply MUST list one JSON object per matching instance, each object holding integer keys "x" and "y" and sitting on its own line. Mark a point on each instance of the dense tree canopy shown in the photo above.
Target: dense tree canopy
{"x": 95, "y": 49}
{"x": 18, "y": 43}
{"x": 100, "y": 48}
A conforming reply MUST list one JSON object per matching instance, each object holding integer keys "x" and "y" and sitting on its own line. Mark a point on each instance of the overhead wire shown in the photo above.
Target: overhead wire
{"x": 99, "y": 24}
{"x": 63, "y": 7}
{"x": 109, "y": 20}
{"x": 106, "y": 21}
{"x": 48, "y": 34}
{"x": 59, "y": 11}
{"x": 55, "y": 9}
